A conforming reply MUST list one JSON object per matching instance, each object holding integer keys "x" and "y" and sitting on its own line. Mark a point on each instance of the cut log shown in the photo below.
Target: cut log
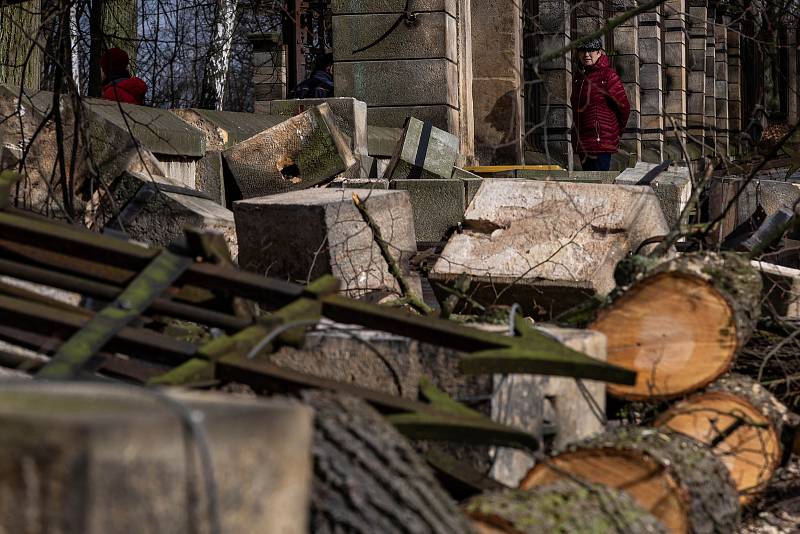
{"x": 741, "y": 422}
{"x": 674, "y": 477}
{"x": 680, "y": 324}
{"x": 368, "y": 479}
{"x": 566, "y": 506}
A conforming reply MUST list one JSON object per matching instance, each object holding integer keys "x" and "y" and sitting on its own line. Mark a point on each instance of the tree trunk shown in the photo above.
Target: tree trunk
{"x": 741, "y": 422}
{"x": 368, "y": 479}
{"x": 20, "y": 54}
{"x": 216, "y": 69}
{"x": 680, "y": 323}
{"x": 674, "y": 477}
{"x": 112, "y": 24}
{"x": 565, "y": 506}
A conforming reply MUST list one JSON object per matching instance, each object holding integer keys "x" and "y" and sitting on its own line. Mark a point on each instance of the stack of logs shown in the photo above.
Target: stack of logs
{"x": 717, "y": 438}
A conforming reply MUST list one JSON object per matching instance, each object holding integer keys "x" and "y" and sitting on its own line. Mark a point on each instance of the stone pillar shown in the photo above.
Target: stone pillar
{"x": 626, "y": 63}
{"x": 735, "y": 91}
{"x": 721, "y": 82}
{"x": 675, "y": 78}
{"x": 711, "y": 103}
{"x": 652, "y": 87}
{"x": 421, "y": 69}
{"x": 269, "y": 67}
{"x": 588, "y": 16}
{"x": 497, "y": 82}
{"x": 556, "y": 79}
{"x": 696, "y": 77}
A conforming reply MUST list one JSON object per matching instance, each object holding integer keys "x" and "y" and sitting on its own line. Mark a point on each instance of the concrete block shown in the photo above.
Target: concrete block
{"x": 562, "y": 404}
{"x": 432, "y": 37}
{"x": 386, "y": 83}
{"x": 554, "y": 242}
{"x": 438, "y": 205}
{"x": 383, "y": 140}
{"x": 223, "y": 129}
{"x": 442, "y": 116}
{"x": 360, "y": 183}
{"x": 135, "y": 203}
{"x": 332, "y": 239}
{"x": 392, "y": 6}
{"x": 304, "y": 151}
{"x": 101, "y": 458}
{"x": 673, "y": 188}
{"x": 350, "y": 116}
{"x": 781, "y": 289}
{"x": 472, "y": 182}
{"x": 424, "y": 151}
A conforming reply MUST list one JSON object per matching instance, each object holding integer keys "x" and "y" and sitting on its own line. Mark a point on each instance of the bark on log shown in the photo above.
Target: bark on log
{"x": 674, "y": 477}
{"x": 680, "y": 324}
{"x": 368, "y": 479}
{"x": 741, "y": 422}
{"x": 566, "y": 506}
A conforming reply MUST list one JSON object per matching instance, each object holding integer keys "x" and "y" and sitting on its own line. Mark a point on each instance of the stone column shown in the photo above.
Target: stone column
{"x": 735, "y": 91}
{"x": 711, "y": 103}
{"x": 269, "y": 67}
{"x": 626, "y": 62}
{"x": 675, "y": 78}
{"x": 421, "y": 69}
{"x": 696, "y": 76}
{"x": 556, "y": 79}
{"x": 721, "y": 82}
{"x": 497, "y": 81}
{"x": 652, "y": 87}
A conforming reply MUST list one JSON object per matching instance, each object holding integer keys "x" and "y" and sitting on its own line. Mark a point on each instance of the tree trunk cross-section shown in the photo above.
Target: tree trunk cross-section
{"x": 565, "y": 506}
{"x": 368, "y": 479}
{"x": 680, "y": 324}
{"x": 675, "y": 478}
{"x": 741, "y": 422}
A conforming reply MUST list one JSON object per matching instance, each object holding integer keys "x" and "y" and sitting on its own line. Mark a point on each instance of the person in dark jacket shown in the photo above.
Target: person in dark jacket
{"x": 320, "y": 83}
{"x": 600, "y": 108}
{"x": 118, "y": 84}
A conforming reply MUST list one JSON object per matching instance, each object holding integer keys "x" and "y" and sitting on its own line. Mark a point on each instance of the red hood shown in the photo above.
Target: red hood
{"x": 135, "y": 87}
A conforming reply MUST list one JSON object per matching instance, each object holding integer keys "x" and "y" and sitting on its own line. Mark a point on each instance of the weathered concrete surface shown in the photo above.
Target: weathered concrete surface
{"x": 223, "y": 129}
{"x": 304, "y": 151}
{"x": 424, "y": 151}
{"x": 98, "y": 458}
{"x": 769, "y": 195}
{"x": 472, "y": 182}
{"x": 159, "y": 217}
{"x": 350, "y": 115}
{"x": 110, "y": 152}
{"x": 781, "y": 289}
{"x": 303, "y": 235}
{"x": 554, "y": 242}
{"x": 527, "y": 401}
{"x": 439, "y": 206}
{"x": 383, "y": 140}
{"x": 673, "y": 187}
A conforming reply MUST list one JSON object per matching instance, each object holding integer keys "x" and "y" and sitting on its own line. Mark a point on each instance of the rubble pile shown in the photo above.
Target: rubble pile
{"x": 394, "y": 342}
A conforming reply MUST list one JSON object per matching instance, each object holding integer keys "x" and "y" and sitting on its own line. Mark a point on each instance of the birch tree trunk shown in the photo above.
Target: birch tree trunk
{"x": 219, "y": 51}
{"x": 20, "y": 54}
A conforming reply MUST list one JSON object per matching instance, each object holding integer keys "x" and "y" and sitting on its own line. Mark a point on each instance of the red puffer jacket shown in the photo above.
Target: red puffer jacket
{"x": 128, "y": 90}
{"x": 600, "y": 108}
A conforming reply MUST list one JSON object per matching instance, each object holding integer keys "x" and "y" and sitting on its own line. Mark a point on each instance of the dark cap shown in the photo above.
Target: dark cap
{"x": 594, "y": 44}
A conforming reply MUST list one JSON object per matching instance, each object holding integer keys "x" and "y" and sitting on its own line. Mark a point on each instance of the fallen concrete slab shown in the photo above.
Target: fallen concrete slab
{"x": 547, "y": 245}
{"x": 156, "y": 210}
{"x": 438, "y": 204}
{"x": 350, "y": 115}
{"x": 107, "y": 458}
{"x": 303, "y": 235}
{"x": 423, "y": 152}
{"x": 303, "y": 151}
{"x": 673, "y": 187}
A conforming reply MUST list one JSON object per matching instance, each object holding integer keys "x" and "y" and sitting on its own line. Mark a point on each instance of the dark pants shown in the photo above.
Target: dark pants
{"x": 596, "y": 162}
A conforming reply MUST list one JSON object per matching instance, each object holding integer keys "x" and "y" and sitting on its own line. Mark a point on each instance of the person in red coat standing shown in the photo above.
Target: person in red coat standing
{"x": 600, "y": 108}
{"x": 118, "y": 84}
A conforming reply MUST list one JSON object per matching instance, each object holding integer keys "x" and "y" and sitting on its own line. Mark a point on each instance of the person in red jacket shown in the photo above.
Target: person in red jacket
{"x": 600, "y": 108}
{"x": 118, "y": 84}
